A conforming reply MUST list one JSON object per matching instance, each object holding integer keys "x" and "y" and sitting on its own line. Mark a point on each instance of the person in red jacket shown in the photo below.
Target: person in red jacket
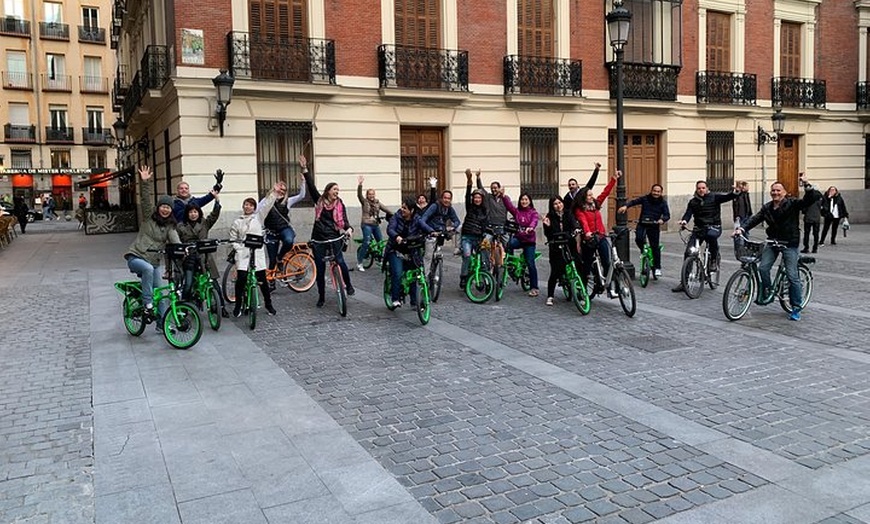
{"x": 587, "y": 211}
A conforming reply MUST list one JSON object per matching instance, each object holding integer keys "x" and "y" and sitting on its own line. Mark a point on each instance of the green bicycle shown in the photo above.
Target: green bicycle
{"x": 647, "y": 266}
{"x": 571, "y": 282}
{"x": 180, "y": 322}
{"x": 251, "y": 297}
{"x": 375, "y": 252}
{"x": 412, "y": 273}
{"x": 205, "y": 290}
{"x": 515, "y": 266}
{"x": 480, "y": 284}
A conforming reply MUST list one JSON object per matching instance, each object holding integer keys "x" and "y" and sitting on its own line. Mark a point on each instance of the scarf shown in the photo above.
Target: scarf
{"x": 336, "y": 207}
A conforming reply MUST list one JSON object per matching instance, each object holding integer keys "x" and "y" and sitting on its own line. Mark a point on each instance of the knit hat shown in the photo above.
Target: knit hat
{"x": 164, "y": 200}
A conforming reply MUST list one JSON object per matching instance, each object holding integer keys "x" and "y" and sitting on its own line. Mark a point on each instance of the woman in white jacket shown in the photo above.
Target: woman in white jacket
{"x": 251, "y": 222}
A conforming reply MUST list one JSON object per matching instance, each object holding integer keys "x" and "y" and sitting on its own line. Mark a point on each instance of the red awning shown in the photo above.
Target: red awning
{"x": 22, "y": 181}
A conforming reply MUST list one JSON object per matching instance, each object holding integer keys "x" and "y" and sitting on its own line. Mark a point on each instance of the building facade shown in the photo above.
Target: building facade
{"x": 397, "y": 91}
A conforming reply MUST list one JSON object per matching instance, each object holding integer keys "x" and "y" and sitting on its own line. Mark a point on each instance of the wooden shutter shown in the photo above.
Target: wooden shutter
{"x": 790, "y": 50}
{"x": 718, "y": 41}
{"x": 535, "y": 23}
{"x": 279, "y": 39}
{"x": 418, "y": 23}
{"x": 281, "y": 20}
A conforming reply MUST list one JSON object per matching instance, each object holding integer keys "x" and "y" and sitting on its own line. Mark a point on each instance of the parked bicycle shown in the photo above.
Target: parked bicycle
{"x": 375, "y": 251}
{"x": 480, "y": 284}
{"x": 697, "y": 270}
{"x": 647, "y": 264}
{"x": 334, "y": 271}
{"x": 296, "y": 270}
{"x": 412, "y": 273}
{"x": 515, "y": 266}
{"x": 744, "y": 286}
{"x": 616, "y": 276}
{"x": 570, "y": 280}
{"x": 180, "y": 322}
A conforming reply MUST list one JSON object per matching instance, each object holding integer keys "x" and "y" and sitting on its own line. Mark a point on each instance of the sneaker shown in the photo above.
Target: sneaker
{"x": 397, "y": 303}
{"x": 821, "y": 244}
{"x": 360, "y": 268}
{"x": 612, "y": 294}
{"x": 805, "y": 250}
{"x": 351, "y": 291}
{"x": 534, "y": 293}
{"x": 237, "y": 311}
{"x": 833, "y": 243}
{"x": 549, "y": 301}
{"x": 679, "y": 288}
{"x": 657, "y": 273}
{"x": 271, "y": 310}
{"x": 795, "y": 314}
{"x": 320, "y": 302}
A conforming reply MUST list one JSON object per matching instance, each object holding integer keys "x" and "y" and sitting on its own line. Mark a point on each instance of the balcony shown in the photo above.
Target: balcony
{"x": 862, "y": 95}
{"x": 20, "y": 134}
{"x": 59, "y": 135}
{"x": 538, "y": 75}
{"x": 646, "y": 81}
{"x": 267, "y": 57}
{"x": 97, "y": 136}
{"x": 53, "y": 31}
{"x": 153, "y": 74}
{"x": 119, "y": 91}
{"x": 58, "y": 83}
{"x": 806, "y": 93}
{"x": 92, "y": 35}
{"x": 16, "y": 80}
{"x": 716, "y": 87}
{"x": 98, "y": 85}
{"x": 407, "y": 67}
{"x": 11, "y": 26}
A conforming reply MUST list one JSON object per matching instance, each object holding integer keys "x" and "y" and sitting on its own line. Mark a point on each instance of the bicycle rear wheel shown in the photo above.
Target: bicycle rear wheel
{"x": 388, "y": 290}
{"x": 228, "y": 283}
{"x": 302, "y": 272}
{"x": 692, "y": 277}
{"x": 213, "y": 307}
{"x": 435, "y": 276}
{"x": 626, "y": 292}
{"x": 480, "y": 287}
{"x": 643, "y": 279}
{"x": 579, "y": 296}
{"x": 341, "y": 293}
{"x": 423, "y": 306}
{"x": 806, "y": 278}
{"x": 738, "y": 295}
{"x": 133, "y": 311}
{"x": 183, "y": 329}
{"x": 499, "y": 276}
{"x": 253, "y": 300}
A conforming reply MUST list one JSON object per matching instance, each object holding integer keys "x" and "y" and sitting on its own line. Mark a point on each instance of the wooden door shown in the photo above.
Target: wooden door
{"x": 535, "y": 39}
{"x": 790, "y": 50}
{"x": 787, "y": 163}
{"x": 418, "y": 28}
{"x": 422, "y": 157}
{"x": 718, "y": 41}
{"x": 641, "y": 170}
{"x": 278, "y": 45}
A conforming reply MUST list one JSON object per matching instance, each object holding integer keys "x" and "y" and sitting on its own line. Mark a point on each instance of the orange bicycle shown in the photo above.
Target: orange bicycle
{"x": 295, "y": 270}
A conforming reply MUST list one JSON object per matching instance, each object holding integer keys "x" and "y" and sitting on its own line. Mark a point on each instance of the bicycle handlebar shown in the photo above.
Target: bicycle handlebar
{"x": 330, "y": 241}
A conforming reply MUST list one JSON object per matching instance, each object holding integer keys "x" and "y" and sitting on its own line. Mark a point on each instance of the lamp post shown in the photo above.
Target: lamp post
{"x": 763, "y": 137}
{"x": 618, "y": 26}
{"x": 120, "y": 140}
{"x": 224, "y": 85}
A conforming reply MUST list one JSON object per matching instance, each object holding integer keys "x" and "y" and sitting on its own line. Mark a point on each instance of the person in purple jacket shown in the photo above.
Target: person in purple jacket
{"x": 526, "y": 218}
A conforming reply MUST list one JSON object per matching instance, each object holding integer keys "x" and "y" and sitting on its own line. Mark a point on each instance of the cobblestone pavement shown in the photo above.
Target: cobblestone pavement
{"x": 504, "y": 412}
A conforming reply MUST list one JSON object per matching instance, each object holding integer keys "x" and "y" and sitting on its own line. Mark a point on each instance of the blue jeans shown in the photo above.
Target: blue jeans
{"x": 397, "y": 265}
{"x": 529, "y": 255}
{"x": 790, "y": 257}
{"x": 368, "y": 231}
{"x": 467, "y": 244}
{"x": 151, "y": 276}
{"x": 287, "y": 236}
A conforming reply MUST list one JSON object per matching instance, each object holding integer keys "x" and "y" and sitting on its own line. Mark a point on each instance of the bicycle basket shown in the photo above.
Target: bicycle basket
{"x": 254, "y": 241}
{"x": 175, "y": 251}
{"x": 748, "y": 251}
{"x": 206, "y": 246}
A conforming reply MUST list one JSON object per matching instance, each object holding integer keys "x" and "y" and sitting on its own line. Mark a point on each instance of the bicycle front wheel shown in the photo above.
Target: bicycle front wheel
{"x": 713, "y": 277}
{"x": 738, "y": 295}
{"x": 692, "y": 277}
{"x": 253, "y": 300}
{"x": 500, "y": 278}
{"x": 301, "y": 272}
{"x": 182, "y": 329}
{"x": 626, "y": 292}
{"x": 435, "y": 276}
{"x": 806, "y": 278}
{"x": 423, "y": 306}
{"x": 579, "y": 296}
{"x": 213, "y": 307}
{"x": 228, "y": 283}
{"x": 480, "y": 287}
{"x": 134, "y": 315}
{"x": 643, "y": 279}
{"x": 340, "y": 291}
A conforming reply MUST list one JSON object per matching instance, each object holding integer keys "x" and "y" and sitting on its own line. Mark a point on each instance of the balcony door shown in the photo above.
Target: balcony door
{"x": 790, "y": 50}
{"x": 536, "y": 21}
{"x": 418, "y": 29}
{"x": 278, "y": 43}
{"x": 718, "y": 42}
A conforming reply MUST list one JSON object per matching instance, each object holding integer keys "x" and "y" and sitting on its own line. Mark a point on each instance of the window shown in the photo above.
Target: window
{"x": 60, "y": 159}
{"x": 720, "y": 160}
{"x": 718, "y": 41}
{"x": 90, "y": 17}
{"x": 790, "y": 50}
{"x": 656, "y": 35}
{"x": 97, "y": 158}
{"x": 539, "y": 161}
{"x": 53, "y": 12}
{"x": 21, "y": 159}
{"x": 19, "y": 114}
{"x": 422, "y": 157}
{"x": 57, "y": 117}
{"x": 95, "y": 119}
{"x": 16, "y": 67}
{"x": 93, "y": 77}
{"x": 55, "y": 72}
{"x": 279, "y": 45}
{"x": 279, "y": 20}
{"x": 278, "y": 145}
{"x": 535, "y": 28}
{"x": 13, "y": 9}
{"x": 418, "y": 23}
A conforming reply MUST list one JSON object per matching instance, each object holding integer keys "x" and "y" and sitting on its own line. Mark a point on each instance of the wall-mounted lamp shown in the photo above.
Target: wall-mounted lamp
{"x": 224, "y": 85}
{"x": 120, "y": 139}
{"x": 778, "y": 121}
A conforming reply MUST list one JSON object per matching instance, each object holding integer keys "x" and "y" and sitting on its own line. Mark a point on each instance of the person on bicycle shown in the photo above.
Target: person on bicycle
{"x": 423, "y": 201}
{"x": 587, "y": 212}
{"x": 370, "y": 221}
{"x": 654, "y": 212}
{"x": 194, "y": 228}
{"x": 280, "y": 228}
{"x": 574, "y": 188}
{"x": 496, "y": 211}
{"x": 782, "y": 217}
{"x": 706, "y": 208}
{"x": 558, "y": 220}
{"x": 330, "y": 221}
{"x": 405, "y": 224}
{"x": 526, "y": 217}
{"x": 742, "y": 205}
{"x": 251, "y": 223}
{"x": 157, "y": 230}
{"x": 474, "y": 226}
{"x": 182, "y": 198}
{"x": 437, "y": 217}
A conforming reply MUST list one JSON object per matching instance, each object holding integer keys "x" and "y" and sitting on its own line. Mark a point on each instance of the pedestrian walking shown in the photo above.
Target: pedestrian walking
{"x": 833, "y": 211}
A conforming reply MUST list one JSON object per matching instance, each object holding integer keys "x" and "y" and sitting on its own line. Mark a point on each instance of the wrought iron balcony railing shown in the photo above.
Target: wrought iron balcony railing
{"x": 716, "y": 87}
{"x": 93, "y": 35}
{"x": 119, "y": 91}
{"x": 94, "y": 84}
{"x": 539, "y": 75}
{"x": 64, "y": 135}
{"x": 422, "y": 68}
{"x": 52, "y": 82}
{"x": 97, "y": 136}
{"x": 14, "y": 26}
{"x": 799, "y": 92}
{"x": 54, "y": 31}
{"x": 646, "y": 81}
{"x": 16, "y": 80}
{"x": 862, "y": 95}
{"x": 270, "y": 57}
{"x": 19, "y": 133}
{"x": 135, "y": 93}
{"x": 153, "y": 74}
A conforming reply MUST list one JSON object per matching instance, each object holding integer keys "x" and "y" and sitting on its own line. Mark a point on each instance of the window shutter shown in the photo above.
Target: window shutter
{"x": 535, "y": 28}
{"x": 718, "y": 41}
{"x": 790, "y": 50}
{"x": 418, "y": 23}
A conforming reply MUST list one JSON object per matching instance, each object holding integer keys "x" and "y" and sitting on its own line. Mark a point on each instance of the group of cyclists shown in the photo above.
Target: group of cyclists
{"x": 180, "y": 219}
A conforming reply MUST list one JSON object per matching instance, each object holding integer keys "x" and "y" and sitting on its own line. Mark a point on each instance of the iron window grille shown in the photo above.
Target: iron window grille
{"x": 279, "y": 144}
{"x": 720, "y": 160}
{"x": 539, "y": 161}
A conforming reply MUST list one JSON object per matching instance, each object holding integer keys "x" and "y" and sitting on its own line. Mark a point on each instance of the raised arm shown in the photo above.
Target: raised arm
{"x": 359, "y": 191}
{"x": 146, "y": 192}
{"x": 309, "y": 179}
{"x": 608, "y": 188}
{"x": 212, "y": 217}
{"x": 298, "y": 197}
{"x": 594, "y": 177}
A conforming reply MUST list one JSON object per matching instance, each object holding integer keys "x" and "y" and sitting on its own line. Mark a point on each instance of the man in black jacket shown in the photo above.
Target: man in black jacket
{"x": 705, "y": 208}
{"x": 782, "y": 216}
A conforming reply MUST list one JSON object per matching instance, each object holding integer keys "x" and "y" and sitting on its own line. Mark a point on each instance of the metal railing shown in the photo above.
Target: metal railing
{"x": 119, "y": 90}
{"x": 422, "y": 68}
{"x": 14, "y": 26}
{"x": 716, "y": 87}
{"x": 646, "y": 81}
{"x": 541, "y": 75}
{"x": 54, "y": 31}
{"x": 94, "y": 35}
{"x": 153, "y": 73}
{"x": 16, "y": 80}
{"x": 59, "y": 134}
{"x": 19, "y": 133}
{"x": 862, "y": 95}
{"x": 56, "y": 82}
{"x": 97, "y": 136}
{"x": 269, "y": 57}
{"x": 93, "y": 84}
{"x": 806, "y": 93}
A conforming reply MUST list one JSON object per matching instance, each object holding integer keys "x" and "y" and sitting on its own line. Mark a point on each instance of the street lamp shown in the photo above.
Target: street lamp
{"x": 618, "y": 27}
{"x": 224, "y": 85}
{"x": 120, "y": 140}
{"x": 763, "y": 137}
